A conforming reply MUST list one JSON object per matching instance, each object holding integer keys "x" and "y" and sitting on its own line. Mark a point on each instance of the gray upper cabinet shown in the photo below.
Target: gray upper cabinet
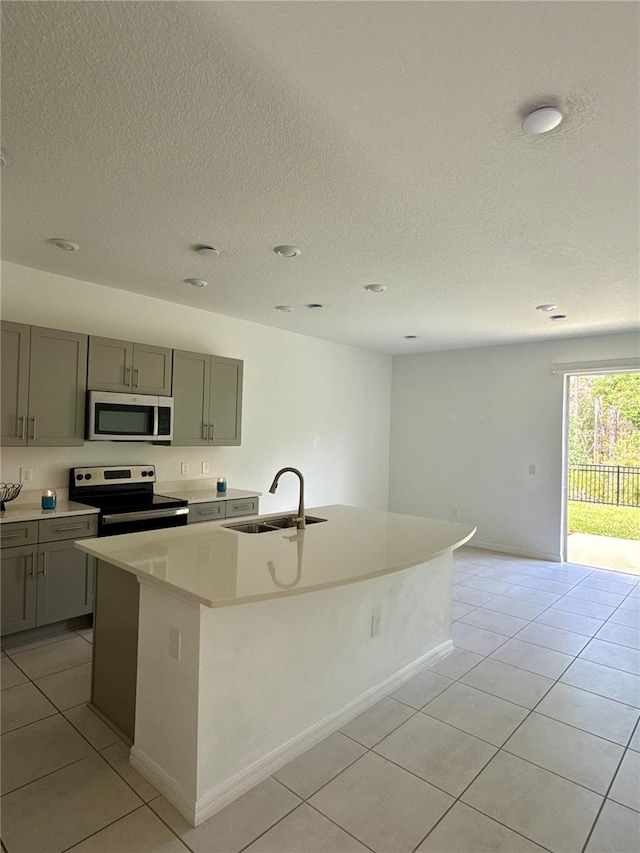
{"x": 43, "y": 384}
{"x": 207, "y": 392}
{"x": 128, "y": 367}
{"x": 225, "y": 402}
{"x": 57, "y": 385}
{"x": 16, "y": 346}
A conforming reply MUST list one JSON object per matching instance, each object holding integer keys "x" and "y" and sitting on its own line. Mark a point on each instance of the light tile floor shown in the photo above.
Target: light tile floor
{"x": 525, "y": 738}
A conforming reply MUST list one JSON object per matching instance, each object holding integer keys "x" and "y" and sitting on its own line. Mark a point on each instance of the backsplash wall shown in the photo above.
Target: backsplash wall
{"x": 335, "y": 428}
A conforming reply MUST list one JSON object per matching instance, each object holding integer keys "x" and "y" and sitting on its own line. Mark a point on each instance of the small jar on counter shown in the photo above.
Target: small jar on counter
{"x": 221, "y": 486}
{"x": 49, "y": 499}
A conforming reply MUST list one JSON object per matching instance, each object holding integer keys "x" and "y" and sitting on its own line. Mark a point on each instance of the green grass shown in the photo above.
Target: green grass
{"x": 621, "y": 522}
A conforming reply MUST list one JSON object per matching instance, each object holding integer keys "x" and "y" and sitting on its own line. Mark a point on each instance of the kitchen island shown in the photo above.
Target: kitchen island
{"x": 252, "y": 648}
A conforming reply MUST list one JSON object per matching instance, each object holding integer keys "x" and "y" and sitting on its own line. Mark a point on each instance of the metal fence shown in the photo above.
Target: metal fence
{"x": 618, "y": 485}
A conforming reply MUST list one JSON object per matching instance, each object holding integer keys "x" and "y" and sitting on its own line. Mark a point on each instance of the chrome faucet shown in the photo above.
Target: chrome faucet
{"x": 300, "y": 523}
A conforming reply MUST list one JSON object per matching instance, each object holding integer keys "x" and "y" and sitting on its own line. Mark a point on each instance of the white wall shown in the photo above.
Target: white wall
{"x": 319, "y": 406}
{"x": 468, "y": 423}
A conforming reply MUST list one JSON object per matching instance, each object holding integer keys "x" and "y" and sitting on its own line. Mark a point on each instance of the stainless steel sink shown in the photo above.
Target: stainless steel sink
{"x": 285, "y": 521}
{"x": 270, "y": 525}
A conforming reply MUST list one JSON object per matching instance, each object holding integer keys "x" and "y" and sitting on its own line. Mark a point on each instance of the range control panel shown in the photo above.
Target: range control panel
{"x": 113, "y": 475}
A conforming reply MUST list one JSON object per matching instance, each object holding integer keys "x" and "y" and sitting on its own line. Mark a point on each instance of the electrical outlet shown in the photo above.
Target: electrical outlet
{"x": 532, "y": 470}
{"x": 184, "y": 468}
{"x": 175, "y": 643}
{"x": 26, "y": 475}
{"x": 454, "y": 511}
{"x": 204, "y": 468}
{"x": 375, "y": 623}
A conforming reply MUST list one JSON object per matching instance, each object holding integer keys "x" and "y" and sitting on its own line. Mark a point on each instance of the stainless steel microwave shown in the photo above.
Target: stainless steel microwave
{"x": 128, "y": 417}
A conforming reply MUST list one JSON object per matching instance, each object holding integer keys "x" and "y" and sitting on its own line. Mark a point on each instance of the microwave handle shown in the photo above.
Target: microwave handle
{"x": 156, "y": 418}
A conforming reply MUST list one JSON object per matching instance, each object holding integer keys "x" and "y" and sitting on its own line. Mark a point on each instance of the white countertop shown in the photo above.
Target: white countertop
{"x": 204, "y": 495}
{"x": 209, "y": 564}
{"x": 34, "y": 512}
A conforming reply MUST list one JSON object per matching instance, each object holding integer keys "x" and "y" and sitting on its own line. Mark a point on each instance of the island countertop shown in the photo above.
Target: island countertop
{"x": 213, "y": 565}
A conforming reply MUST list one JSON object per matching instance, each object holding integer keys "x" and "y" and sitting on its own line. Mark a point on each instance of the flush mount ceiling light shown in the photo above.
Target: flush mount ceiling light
{"x": 546, "y": 307}
{"x": 286, "y": 309}
{"x": 196, "y": 282}
{"x": 316, "y": 306}
{"x": 287, "y": 251}
{"x": 207, "y": 251}
{"x": 375, "y": 288}
{"x": 65, "y": 245}
{"x": 558, "y": 317}
{"x": 411, "y": 337}
{"x": 542, "y": 120}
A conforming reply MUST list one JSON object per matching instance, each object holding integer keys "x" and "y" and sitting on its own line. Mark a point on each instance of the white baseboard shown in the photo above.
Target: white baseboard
{"x": 232, "y": 788}
{"x": 165, "y": 783}
{"x": 517, "y": 552}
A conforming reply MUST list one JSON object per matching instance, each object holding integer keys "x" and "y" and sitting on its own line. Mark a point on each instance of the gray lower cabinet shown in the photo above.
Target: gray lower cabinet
{"x": 215, "y": 510}
{"x": 46, "y": 582}
{"x": 128, "y": 367}
{"x": 207, "y": 393}
{"x": 210, "y": 511}
{"x": 18, "y": 588}
{"x": 65, "y": 582}
{"x": 43, "y": 386}
{"x": 242, "y": 506}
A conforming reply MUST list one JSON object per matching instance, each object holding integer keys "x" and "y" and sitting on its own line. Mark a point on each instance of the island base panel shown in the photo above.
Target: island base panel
{"x": 115, "y": 646}
{"x": 258, "y": 684}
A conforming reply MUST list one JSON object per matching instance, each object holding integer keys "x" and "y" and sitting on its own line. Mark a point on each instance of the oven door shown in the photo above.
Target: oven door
{"x": 128, "y": 417}
{"x": 115, "y": 523}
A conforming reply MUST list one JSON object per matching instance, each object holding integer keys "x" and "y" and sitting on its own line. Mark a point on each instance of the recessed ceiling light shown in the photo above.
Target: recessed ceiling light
{"x": 207, "y": 251}
{"x": 546, "y": 307}
{"x": 196, "y": 282}
{"x": 3, "y": 159}
{"x": 542, "y": 120}
{"x": 65, "y": 245}
{"x": 316, "y": 306}
{"x": 410, "y": 337}
{"x": 284, "y": 308}
{"x": 375, "y": 288}
{"x": 558, "y": 317}
{"x": 287, "y": 251}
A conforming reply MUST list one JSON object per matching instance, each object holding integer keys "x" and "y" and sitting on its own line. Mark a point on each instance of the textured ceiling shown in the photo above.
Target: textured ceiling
{"x": 381, "y": 138}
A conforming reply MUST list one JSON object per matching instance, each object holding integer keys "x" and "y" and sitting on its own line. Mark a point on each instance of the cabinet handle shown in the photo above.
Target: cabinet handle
{"x": 242, "y": 506}
{"x": 204, "y": 431}
{"x": 32, "y": 574}
{"x": 135, "y": 377}
{"x": 23, "y": 427}
{"x": 208, "y": 512}
{"x": 33, "y": 428}
{"x": 127, "y": 375}
{"x": 44, "y": 565}
{"x": 12, "y": 535}
{"x": 70, "y": 527}
{"x": 211, "y": 431}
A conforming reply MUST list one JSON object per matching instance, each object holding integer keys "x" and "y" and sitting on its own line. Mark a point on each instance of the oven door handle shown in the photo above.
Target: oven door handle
{"x": 119, "y": 517}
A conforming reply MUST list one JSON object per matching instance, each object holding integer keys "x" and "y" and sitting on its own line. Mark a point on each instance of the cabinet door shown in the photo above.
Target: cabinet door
{"x": 152, "y": 370}
{"x": 15, "y": 383}
{"x": 18, "y": 588}
{"x": 225, "y": 412}
{"x": 65, "y": 582}
{"x": 57, "y": 385}
{"x": 110, "y": 364}
{"x": 191, "y": 377}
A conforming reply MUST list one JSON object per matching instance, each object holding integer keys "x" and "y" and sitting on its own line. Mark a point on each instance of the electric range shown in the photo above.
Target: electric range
{"x": 126, "y": 500}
